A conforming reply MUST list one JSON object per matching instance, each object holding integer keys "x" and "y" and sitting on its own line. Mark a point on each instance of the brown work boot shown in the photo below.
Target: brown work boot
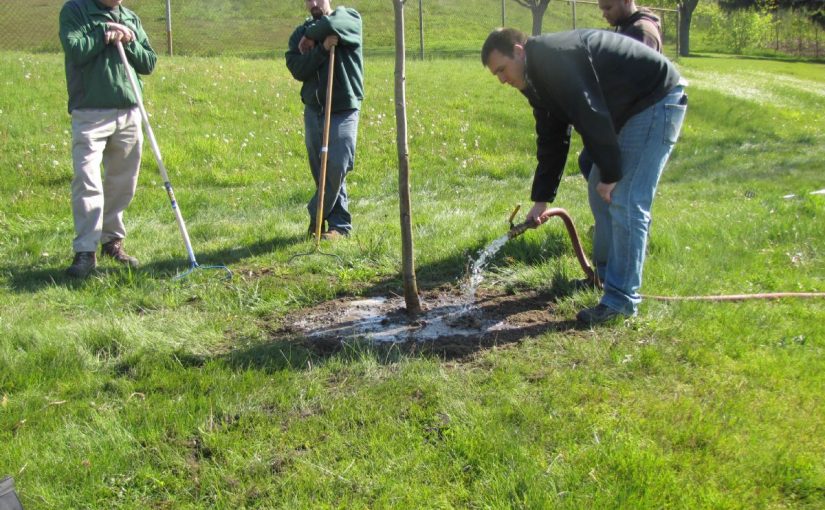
{"x": 333, "y": 235}
{"x": 114, "y": 249}
{"x": 84, "y": 263}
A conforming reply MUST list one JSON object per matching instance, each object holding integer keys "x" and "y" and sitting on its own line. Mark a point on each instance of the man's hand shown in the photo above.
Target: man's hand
{"x": 537, "y": 213}
{"x": 305, "y": 45}
{"x": 330, "y": 41}
{"x": 116, "y": 32}
{"x": 605, "y": 190}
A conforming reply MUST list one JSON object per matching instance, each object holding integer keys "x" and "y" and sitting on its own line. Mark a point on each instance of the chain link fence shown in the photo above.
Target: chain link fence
{"x": 261, "y": 28}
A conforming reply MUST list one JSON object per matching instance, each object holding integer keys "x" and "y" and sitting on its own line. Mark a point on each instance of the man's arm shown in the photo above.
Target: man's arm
{"x": 139, "y": 52}
{"x": 81, "y": 41}
{"x": 343, "y": 22}
{"x": 303, "y": 66}
{"x": 552, "y": 146}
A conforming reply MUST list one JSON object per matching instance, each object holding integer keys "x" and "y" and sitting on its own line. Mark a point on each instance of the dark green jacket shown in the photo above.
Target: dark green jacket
{"x": 593, "y": 80}
{"x": 312, "y": 67}
{"x": 95, "y": 76}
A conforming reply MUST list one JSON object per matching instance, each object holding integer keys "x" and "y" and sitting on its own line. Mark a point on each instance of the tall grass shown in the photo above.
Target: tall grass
{"x": 134, "y": 390}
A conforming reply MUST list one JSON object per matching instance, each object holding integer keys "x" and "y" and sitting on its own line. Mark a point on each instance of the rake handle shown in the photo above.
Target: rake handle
{"x": 156, "y": 150}
{"x": 322, "y": 179}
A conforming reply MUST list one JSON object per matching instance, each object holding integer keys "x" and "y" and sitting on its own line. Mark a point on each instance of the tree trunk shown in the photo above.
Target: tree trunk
{"x": 685, "y": 14}
{"x": 538, "y": 16}
{"x": 407, "y": 251}
{"x": 537, "y": 8}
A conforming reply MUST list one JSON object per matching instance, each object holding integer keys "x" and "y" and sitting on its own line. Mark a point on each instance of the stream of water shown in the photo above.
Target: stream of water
{"x": 477, "y": 268}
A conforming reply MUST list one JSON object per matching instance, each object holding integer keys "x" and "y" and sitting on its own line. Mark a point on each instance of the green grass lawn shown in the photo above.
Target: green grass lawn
{"x": 134, "y": 390}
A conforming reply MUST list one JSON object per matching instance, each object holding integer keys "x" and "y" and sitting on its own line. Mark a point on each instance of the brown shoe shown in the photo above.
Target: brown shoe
{"x": 114, "y": 249}
{"x": 333, "y": 235}
{"x": 84, "y": 263}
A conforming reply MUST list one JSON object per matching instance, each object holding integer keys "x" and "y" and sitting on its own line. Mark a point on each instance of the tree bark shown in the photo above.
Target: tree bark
{"x": 537, "y": 8}
{"x": 407, "y": 250}
{"x": 686, "y": 8}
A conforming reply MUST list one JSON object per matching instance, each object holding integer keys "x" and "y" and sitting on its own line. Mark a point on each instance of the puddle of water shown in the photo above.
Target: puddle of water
{"x": 379, "y": 319}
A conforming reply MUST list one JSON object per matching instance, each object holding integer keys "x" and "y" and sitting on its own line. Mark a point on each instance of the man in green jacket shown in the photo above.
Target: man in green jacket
{"x": 308, "y": 61}
{"x": 627, "y": 103}
{"x": 106, "y": 124}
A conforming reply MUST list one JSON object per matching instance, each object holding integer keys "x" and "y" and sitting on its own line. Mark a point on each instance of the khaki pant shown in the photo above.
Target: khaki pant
{"x": 114, "y": 138}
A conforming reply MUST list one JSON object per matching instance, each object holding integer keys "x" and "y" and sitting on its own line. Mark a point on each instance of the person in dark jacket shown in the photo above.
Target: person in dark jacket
{"x": 106, "y": 123}
{"x": 627, "y": 103}
{"x": 639, "y": 24}
{"x": 308, "y": 60}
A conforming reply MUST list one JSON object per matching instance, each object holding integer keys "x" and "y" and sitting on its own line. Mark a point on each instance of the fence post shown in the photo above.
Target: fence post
{"x": 169, "y": 26}
{"x": 573, "y": 6}
{"x": 502, "y": 13}
{"x": 664, "y": 36}
{"x": 678, "y": 32}
{"x": 776, "y": 35}
{"x": 421, "y": 29}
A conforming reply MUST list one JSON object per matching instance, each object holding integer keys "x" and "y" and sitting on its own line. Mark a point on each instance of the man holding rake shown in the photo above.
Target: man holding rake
{"x": 307, "y": 58}
{"x": 106, "y": 124}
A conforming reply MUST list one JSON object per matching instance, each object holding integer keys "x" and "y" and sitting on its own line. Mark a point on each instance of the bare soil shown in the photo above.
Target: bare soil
{"x": 450, "y": 325}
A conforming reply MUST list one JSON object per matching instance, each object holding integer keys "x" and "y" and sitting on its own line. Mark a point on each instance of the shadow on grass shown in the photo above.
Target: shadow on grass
{"x": 25, "y": 279}
{"x": 526, "y": 315}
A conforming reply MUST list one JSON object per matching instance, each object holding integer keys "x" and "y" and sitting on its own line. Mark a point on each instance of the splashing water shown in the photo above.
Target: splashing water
{"x": 477, "y": 267}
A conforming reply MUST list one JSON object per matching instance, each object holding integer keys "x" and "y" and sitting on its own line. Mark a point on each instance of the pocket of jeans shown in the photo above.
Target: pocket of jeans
{"x": 674, "y": 116}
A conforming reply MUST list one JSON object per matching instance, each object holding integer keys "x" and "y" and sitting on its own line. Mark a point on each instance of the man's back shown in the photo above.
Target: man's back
{"x": 644, "y": 26}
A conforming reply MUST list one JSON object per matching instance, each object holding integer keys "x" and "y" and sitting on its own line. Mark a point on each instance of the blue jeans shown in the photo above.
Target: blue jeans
{"x": 620, "y": 238}
{"x": 343, "y": 133}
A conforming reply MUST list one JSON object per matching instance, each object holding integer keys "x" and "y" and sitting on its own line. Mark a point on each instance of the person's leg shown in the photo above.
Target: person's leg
{"x": 343, "y": 137}
{"x": 313, "y": 139}
{"x": 90, "y": 132}
{"x": 121, "y": 164}
{"x": 645, "y": 142}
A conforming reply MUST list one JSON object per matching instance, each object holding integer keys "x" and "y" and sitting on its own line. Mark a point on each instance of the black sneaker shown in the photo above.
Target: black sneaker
{"x": 83, "y": 264}
{"x": 114, "y": 249}
{"x": 599, "y": 314}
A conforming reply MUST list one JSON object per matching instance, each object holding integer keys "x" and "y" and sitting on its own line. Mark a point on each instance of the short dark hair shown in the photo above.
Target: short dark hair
{"x": 502, "y": 40}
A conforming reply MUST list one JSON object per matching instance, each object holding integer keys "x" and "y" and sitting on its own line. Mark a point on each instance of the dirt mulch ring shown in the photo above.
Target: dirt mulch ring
{"x": 450, "y": 325}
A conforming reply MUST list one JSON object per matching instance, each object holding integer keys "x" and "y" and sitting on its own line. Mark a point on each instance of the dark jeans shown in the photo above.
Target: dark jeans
{"x": 343, "y": 133}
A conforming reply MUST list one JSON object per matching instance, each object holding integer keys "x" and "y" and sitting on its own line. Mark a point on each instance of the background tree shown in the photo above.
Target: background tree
{"x": 815, "y": 9}
{"x": 686, "y": 8}
{"x": 538, "y": 8}
{"x": 407, "y": 251}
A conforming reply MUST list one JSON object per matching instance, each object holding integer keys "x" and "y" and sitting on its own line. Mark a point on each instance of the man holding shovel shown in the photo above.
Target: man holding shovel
{"x": 626, "y": 101}
{"x": 106, "y": 124}
{"x": 308, "y": 60}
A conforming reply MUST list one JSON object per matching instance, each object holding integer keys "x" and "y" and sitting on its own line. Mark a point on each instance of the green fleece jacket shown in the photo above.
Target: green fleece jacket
{"x": 312, "y": 67}
{"x": 593, "y": 80}
{"x": 95, "y": 76}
